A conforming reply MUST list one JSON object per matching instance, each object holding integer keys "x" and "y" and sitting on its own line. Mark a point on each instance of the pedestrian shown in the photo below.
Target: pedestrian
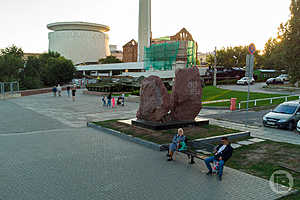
{"x": 109, "y": 100}
{"x": 174, "y": 146}
{"x": 73, "y": 92}
{"x": 103, "y": 100}
{"x": 59, "y": 90}
{"x": 68, "y": 90}
{"x": 54, "y": 90}
{"x": 123, "y": 99}
{"x": 113, "y": 102}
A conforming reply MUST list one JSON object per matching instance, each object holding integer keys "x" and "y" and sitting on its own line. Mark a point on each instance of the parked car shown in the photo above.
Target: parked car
{"x": 285, "y": 115}
{"x": 298, "y": 126}
{"x": 244, "y": 81}
{"x": 283, "y": 77}
{"x": 274, "y": 81}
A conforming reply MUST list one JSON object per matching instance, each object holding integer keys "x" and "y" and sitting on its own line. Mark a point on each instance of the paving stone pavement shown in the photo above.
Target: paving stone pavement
{"x": 53, "y": 155}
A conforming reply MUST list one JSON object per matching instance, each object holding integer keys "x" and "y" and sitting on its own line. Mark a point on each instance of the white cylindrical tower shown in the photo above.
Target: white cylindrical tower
{"x": 80, "y": 42}
{"x": 144, "y": 27}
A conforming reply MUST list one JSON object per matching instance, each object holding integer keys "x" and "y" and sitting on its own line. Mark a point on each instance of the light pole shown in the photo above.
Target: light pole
{"x": 215, "y": 68}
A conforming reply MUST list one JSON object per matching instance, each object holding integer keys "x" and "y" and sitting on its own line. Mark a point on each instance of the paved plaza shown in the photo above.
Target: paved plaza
{"x": 47, "y": 152}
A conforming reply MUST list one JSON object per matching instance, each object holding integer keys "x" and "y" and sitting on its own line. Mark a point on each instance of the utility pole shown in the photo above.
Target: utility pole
{"x": 215, "y": 68}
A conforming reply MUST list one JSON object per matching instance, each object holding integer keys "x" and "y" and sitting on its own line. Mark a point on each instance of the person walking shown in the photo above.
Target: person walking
{"x": 59, "y": 90}
{"x": 103, "y": 101}
{"x": 109, "y": 100}
{"x": 123, "y": 99}
{"x": 68, "y": 90}
{"x": 113, "y": 102}
{"x": 73, "y": 92}
{"x": 54, "y": 90}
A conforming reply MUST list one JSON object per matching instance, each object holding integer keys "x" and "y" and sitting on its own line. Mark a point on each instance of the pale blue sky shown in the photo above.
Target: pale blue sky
{"x": 211, "y": 22}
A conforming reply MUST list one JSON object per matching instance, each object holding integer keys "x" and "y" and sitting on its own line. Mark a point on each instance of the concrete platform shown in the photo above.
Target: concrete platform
{"x": 169, "y": 125}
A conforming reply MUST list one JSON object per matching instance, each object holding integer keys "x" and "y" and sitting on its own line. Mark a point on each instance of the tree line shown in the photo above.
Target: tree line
{"x": 280, "y": 53}
{"x": 46, "y": 70}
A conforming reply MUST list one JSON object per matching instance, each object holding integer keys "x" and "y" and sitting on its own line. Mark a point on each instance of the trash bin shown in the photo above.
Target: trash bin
{"x": 233, "y": 104}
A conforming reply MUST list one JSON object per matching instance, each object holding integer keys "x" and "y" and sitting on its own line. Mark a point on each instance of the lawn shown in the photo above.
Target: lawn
{"x": 211, "y": 93}
{"x": 165, "y": 136}
{"x": 262, "y": 159}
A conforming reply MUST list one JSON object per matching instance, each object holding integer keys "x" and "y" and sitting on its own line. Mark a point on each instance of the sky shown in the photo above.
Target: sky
{"x": 212, "y": 23}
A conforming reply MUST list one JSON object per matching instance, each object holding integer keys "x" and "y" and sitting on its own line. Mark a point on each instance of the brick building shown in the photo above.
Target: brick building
{"x": 130, "y": 51}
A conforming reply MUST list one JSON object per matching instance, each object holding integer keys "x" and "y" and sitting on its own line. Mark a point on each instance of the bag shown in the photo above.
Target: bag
{"x": 215, "y": 166}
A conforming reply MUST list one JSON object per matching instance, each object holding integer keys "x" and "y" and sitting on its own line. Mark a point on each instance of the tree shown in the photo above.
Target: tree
{"x": 56, "y": 69}
{"x": 11, "y": 63}
{"x": 30, "y": 78}
{"x": 291, "y": 40}
{"x": 233, "y": 57}
{"x": 109, "y": 60}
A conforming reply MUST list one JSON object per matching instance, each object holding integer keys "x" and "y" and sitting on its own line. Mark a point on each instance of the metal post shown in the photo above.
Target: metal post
{"x": 11, "y": 88}
{"x": 215, "y": 68}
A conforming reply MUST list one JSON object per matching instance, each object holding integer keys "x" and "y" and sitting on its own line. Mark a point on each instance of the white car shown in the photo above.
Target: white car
{"x": 298, "y": 126}
{"x": 244, "y": 81}
{"x": 283, "y": 77}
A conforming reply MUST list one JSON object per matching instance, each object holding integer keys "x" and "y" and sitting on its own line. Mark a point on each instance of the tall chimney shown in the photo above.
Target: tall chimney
{"x": 144, "y": 27}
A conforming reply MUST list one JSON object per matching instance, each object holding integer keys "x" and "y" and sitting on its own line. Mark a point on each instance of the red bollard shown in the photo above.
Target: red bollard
{"x": 233, "y": 104}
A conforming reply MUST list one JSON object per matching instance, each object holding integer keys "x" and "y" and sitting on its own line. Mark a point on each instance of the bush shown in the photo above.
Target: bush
{"x": 135, "y": 92}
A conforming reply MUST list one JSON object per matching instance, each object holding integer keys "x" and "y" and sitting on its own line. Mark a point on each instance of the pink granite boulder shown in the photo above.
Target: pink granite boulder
{"x": 186, "y": 97}
{"x": 154, "y": 100}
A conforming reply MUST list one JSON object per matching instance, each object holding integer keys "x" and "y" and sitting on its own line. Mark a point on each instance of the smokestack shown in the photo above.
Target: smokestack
{"x": 144, "y": 27}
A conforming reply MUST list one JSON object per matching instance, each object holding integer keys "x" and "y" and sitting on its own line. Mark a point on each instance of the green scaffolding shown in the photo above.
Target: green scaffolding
{"x": 163, "y": 56}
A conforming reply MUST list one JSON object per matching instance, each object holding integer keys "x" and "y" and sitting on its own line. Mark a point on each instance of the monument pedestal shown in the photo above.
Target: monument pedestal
{"x": 169, "y": 125}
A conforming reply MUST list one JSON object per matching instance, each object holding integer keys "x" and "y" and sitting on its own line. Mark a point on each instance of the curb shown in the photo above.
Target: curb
{"x": 218, "y": 138}
{"x": 151, "y": 145}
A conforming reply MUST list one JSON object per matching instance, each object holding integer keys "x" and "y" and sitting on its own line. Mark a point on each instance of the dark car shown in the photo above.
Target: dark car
{"x": 274, "y": 81}
{"x": 285, "y": 115}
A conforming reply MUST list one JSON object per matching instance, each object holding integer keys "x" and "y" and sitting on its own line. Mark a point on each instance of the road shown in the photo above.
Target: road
{"x": 257, "y": 87}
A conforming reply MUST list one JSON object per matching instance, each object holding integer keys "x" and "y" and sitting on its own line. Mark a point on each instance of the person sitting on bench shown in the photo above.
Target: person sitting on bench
{"x": 177, "y": 139}
{"x": 222, "y": 154}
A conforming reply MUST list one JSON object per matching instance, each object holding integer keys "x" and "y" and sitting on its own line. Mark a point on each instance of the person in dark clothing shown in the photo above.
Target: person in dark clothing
{"x": 73, "y": 92}
{"x": 221, "y": 155}
{"x": 68, "y": 90}
{"x": 109, "y": 100}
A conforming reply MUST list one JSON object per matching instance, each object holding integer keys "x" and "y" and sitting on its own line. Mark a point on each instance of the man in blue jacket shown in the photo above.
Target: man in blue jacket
{"x": 222, "y": 154}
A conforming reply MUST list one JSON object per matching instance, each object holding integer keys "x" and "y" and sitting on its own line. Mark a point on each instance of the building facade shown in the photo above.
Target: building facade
{"x": 130, "y": 51}
{"x": 80, "y": 42}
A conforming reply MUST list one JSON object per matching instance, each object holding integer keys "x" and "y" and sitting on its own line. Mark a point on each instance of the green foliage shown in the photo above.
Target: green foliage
{"x": 109, "y": 60}
{"x": 57, "y": 70}
{"x": 233, "y": 57}
{"x": 47, "y": 70}
{"x": 283, "y": 52}
{"x": 11, "y": 63}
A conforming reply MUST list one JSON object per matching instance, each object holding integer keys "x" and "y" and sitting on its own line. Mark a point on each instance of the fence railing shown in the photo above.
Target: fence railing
{"x": 9, "y": 88}
{"x": 268, "y": 99}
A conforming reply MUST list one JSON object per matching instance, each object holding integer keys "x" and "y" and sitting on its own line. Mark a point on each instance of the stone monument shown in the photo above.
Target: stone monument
{"x": 159, "y": 110}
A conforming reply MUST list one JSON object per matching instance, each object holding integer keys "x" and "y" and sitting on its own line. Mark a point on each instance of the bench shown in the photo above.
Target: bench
{"x": 191, "y": 153}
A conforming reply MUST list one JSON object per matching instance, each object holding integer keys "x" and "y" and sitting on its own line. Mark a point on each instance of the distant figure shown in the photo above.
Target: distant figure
{"x": 59, "y": 90}
{"x": 54, "y": 90}
{"x": 113, "y": 102}
{"x": 73, "y": 92}
{"x": 68, "y": 90}
{"x": 103, "y": 100}
{"x": 109, "y": 100}
{"x": 119, "y": 101}
{"x": 123, "y": 99}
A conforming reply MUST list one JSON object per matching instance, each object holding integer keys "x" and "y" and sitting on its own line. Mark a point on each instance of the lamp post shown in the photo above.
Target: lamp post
{"x": 215, "y": 67}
